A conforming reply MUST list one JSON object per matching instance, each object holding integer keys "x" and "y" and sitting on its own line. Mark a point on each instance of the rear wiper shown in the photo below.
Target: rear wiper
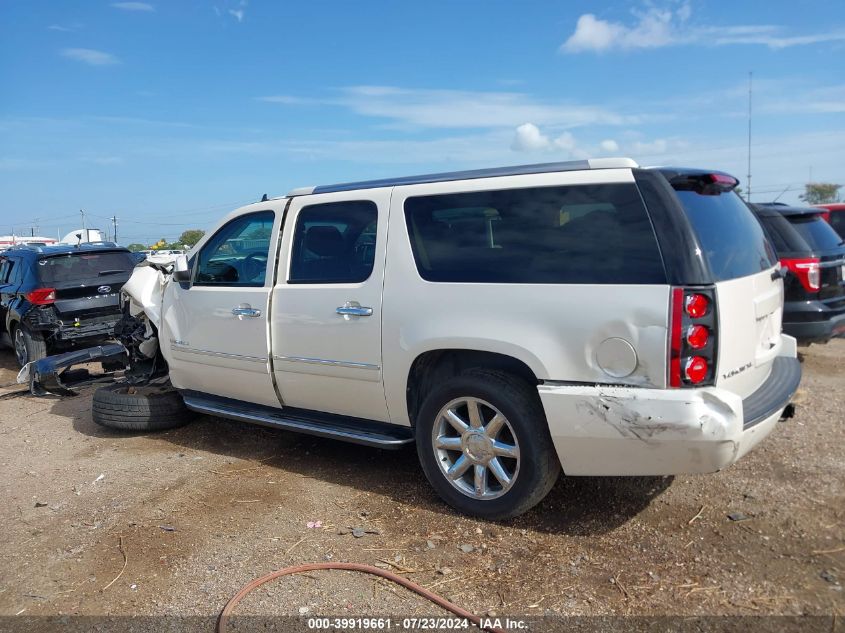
{"x": 111, "y": 272}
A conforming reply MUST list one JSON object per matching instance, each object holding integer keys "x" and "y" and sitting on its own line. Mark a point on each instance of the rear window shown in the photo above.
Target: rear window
{"x": 597, "y": 234}
{"x": 733, "y": 241}
{"x": 784, "y": 237}
{"x": 817, "y": 233}
{"x": 78, "y": 266}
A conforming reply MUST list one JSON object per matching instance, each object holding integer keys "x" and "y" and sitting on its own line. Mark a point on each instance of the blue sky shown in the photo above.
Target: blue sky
{"x": 168, "y": 114}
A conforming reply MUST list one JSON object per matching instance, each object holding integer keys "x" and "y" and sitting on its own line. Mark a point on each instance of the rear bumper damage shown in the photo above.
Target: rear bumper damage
{"x": 50, "y": 375}
{"x": 135, "y": 327}
{"x": 629, "y": 431}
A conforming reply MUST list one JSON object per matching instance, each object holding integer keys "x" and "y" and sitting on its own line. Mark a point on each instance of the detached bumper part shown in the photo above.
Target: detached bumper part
{"x": 45, "y": 376}
{"x": 617, "y": 431}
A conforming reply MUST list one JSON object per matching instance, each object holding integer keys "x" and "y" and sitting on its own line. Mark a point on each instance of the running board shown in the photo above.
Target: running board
{"x": 337, "y": 427}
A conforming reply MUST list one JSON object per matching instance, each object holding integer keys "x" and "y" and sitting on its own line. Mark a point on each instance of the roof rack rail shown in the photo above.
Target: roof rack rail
{"x": 516, "y": 170}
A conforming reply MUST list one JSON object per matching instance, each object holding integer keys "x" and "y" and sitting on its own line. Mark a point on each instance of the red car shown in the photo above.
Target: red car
{"x": 835, "y": 215}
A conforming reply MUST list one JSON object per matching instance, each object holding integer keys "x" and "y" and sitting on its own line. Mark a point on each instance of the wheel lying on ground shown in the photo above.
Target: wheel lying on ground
{"x": 139, "y": 408}
{"x": 29, "y": 345}
{"x": 485, "y": 446}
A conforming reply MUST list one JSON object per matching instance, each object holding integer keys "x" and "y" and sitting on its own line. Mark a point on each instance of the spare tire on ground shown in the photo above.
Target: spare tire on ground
{"x": 139, "y": 407}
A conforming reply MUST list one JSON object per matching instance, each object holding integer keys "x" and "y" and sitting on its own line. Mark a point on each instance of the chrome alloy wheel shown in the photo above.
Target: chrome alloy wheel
{"x": 476, "y": 448}
{"x": 20, "y": 346}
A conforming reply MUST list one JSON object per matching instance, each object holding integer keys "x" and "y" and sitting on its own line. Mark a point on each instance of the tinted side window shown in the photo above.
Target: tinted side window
{"x": 837, "y": 221}
{"x": 784, "y": 238}
{"x": 334, "y": 243}
{"x": 732, "y": 239}
{"x": 5, "y": 267}
{"x": 237, "y": 254}
{"x": 547, "y": 235}
{"x": 818, "y": 233}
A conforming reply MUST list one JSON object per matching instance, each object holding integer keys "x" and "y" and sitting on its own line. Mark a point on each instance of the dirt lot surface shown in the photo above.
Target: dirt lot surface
{"x": 201, "y": 510}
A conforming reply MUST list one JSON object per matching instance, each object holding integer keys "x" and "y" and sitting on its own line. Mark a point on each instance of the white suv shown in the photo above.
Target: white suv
{"x": 592, "y": 316}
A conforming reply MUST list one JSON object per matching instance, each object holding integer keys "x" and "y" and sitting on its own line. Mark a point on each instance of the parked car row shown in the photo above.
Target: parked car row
{"x": 593, "y": 317}
{"x": 813, "y": 254}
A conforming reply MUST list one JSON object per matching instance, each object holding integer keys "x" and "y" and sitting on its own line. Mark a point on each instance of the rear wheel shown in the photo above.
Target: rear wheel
{"x": 29, "y": 345}
{"x": 139, "y": 408}
{"x": 484, "y": 444}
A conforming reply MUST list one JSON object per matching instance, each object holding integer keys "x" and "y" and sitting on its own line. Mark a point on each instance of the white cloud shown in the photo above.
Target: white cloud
{"x": 239, "y": 12}
{"x": 609, "y": 145}
{"x": 133, "y": 6}
{"x": 59, "y": 27}
{"x": 431, "y": 108}
{"x": 656, "y": 27}
{"x": 529, "y": 138}
{"x": 90, "y": 56}
{"x": 778, "y": 42}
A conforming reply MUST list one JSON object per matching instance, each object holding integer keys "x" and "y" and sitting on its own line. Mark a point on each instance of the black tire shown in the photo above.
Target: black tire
{"x": 143, "y": 408}
{"x": 519, "y": 402}
{"x": 28, "y": 345}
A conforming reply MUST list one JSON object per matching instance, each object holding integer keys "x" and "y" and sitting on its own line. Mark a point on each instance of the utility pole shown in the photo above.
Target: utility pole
{"x": 82, "y": 213}
{"x": 114, "y": 223}
{"x": 748, "y": 195}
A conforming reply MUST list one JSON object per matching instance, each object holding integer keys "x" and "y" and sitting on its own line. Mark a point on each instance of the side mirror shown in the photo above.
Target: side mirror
{"x": 181, "y": 270}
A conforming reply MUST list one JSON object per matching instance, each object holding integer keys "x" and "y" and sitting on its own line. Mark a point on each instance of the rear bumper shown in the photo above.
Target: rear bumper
{"x": 631, "y": 431}
{"x": 100, "y": 328}
{"x": 813, "y": 322}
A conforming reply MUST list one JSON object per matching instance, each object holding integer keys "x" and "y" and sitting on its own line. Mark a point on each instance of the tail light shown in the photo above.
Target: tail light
{"x": 808, "y": 271}
{"x": 42, "y": 296}
{"x": 692, "y": 337}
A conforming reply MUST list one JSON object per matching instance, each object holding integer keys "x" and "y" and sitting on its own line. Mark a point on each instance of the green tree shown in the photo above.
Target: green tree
{"x": 136, "y": 247}
{"x": 191, "y": 237}
{"x": 820, "y": 192}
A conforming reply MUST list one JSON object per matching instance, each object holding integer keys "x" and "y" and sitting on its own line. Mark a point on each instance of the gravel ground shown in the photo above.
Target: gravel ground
{"x": 201, "y": 510}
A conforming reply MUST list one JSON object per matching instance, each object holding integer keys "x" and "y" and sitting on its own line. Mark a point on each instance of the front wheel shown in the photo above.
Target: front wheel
{"x": 484, "y": 444}
{"x": 128, "y": 407}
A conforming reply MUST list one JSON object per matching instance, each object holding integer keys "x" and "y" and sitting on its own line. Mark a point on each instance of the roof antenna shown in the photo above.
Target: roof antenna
{"x": 264, "y": 198}
{"x": 782, "y": 192}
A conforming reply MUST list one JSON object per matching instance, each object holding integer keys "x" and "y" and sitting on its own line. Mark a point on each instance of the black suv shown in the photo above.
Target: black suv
{"x": 54, "y": 297}
{"x": 814, "y": 255}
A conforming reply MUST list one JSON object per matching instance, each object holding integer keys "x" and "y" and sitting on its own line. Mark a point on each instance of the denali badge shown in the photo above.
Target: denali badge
{"x": 736, "y": 371}
{"x": 104, "y": 290}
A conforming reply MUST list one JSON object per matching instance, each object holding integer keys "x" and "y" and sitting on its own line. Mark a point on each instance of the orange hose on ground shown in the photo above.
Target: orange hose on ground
{"x": 366, "y": 569}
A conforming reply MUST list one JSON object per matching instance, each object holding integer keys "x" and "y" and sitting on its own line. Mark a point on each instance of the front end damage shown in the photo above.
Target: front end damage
{"x": 136, "y": 352}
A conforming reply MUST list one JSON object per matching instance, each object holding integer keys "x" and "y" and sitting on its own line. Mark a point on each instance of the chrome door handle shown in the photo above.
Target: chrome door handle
{"x": 353, "y": 308}
{"x": 242, "y": 311}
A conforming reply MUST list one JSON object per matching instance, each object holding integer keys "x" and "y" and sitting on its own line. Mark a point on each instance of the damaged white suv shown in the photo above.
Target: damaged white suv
{"x": 592, "y": 316}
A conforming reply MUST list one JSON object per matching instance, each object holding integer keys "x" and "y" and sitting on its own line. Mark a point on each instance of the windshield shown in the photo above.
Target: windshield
{"x": 733, "y": 241}
{"x": 818, "y": 233}
{"x": 83, "y": 266}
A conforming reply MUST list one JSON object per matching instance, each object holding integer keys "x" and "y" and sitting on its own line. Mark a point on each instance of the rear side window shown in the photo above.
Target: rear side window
{"x": 784, "y": 237}
{"x": 83, "y": 266}
{"x": 818, "y": 233}
{"x": 334, "y": 243}
{"x": 837, "y": 221}
{"x": 733, "y": 241}
{"x": 597, "y": 234}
